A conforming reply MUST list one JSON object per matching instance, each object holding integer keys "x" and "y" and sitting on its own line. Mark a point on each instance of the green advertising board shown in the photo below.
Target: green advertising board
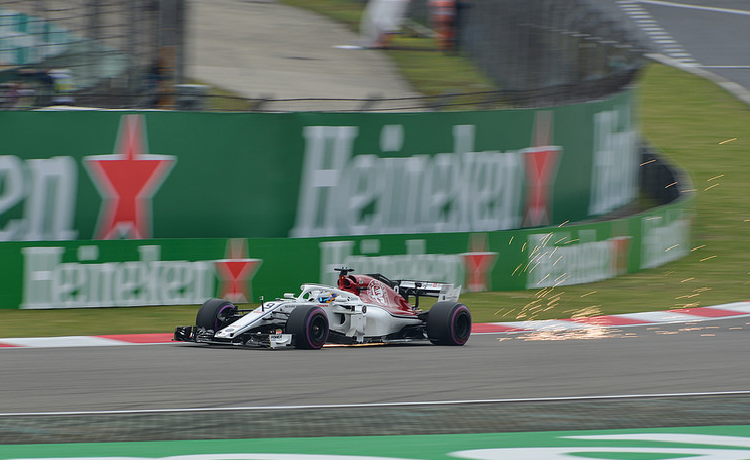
{"x": 96, "y": 175}
{"x": 104, "y": 273}
{"x": 113, "y": 208}
{"x": 700, "y": 442}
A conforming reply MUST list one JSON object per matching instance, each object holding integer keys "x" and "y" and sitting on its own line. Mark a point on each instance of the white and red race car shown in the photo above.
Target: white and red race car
{"x": 361, "y": 309}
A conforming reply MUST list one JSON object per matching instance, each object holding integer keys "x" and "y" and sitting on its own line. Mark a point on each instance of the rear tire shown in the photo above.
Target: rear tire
{"x": 309, "y": 325}
{"x": 448, "y": 323}
{"x": 215, "y": 314}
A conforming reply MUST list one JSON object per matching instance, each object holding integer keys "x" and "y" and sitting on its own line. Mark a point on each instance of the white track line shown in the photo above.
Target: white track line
{"x": 739, "y": 67}
{"x": 386, "y": 404}
{"x": 658, "y": 35}
{"x": 712, "y": 9}
{"x": 61, "y": 342}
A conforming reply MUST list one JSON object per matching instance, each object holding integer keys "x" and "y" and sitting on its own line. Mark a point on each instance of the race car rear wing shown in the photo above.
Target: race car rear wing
{"x": 413, "y": 288}
{"x": 417, "y": 289}
{"x": 443, "y": 291}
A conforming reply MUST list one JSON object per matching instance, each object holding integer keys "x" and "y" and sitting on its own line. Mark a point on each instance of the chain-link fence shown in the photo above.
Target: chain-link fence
{"x": 545, "y": 52}
{"x": 106, "y": 53}
{"x": 110, "y": 53}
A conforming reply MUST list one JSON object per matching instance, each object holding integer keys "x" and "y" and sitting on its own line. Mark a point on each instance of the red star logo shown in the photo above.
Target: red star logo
{"x": 235, "y": 271}
{"x": 478, "y": 262}
{"x": 127, "y": 180}
{"x": 541, "y": 164}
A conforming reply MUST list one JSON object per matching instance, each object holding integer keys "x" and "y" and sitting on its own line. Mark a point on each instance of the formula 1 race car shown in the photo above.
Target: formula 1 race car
{"x": 362, "y": 309}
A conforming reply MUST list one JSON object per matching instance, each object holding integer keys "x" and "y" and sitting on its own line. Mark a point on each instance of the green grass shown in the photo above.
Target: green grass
{"x": 99, "y": 321}
{"x": 687, "y": 118}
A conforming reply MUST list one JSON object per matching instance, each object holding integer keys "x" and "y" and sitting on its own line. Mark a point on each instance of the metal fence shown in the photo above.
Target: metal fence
{"x": 130, "y": 54}
{"x": 99, "y": 52}
{"x": 546, "y": 52}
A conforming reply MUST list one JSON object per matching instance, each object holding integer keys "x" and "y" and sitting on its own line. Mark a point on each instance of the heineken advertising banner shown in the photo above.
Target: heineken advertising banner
{"x": 98, "y": 175}
{"x": 105, "y": 273}
{"x": 722, "y": 442}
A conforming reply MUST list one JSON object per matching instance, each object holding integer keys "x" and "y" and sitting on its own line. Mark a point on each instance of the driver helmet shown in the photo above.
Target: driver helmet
{"x": 327, "y": 297}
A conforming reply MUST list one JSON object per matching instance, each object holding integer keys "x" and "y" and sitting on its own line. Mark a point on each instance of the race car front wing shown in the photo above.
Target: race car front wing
{"x": 260, "y": 340}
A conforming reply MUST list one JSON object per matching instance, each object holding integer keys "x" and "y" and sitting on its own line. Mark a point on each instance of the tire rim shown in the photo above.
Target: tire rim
{"x": 461, "y": 327}
{"x": 318, "y": 330}
{"x": 221, "y": 316}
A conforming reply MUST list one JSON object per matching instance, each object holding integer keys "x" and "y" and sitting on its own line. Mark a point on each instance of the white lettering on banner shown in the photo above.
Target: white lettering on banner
{"x": 415, "y": 264}
{"x": 664, "y": 240}
{"x": 555, "y": 260}
{"x": 50, "y": 283}
{"x": 614, "y": 181}
{"x": 344, "y": 194}
{"x": 690, "y": 446}
{"x": 643, "y": 448}
{"x": 46, "y": 188}
{"x": 327, "y": 151}
{"x": 601, "y": 453}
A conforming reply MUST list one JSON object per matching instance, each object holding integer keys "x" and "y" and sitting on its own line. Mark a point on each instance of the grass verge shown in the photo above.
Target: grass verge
{"x": 703, "y": 129}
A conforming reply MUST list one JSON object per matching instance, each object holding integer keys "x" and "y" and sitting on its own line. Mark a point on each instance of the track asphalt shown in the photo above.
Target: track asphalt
{"x": 682, "y": 315}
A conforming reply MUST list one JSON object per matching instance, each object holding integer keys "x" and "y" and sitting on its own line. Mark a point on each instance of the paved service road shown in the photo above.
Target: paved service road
{"x": 263, "y": 49}
{"x": 672, "y": 358}
{"x": 713, "y": 35}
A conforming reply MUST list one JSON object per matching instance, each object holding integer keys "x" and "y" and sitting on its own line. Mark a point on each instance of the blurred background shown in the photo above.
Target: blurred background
{"x": 113, "y": 54}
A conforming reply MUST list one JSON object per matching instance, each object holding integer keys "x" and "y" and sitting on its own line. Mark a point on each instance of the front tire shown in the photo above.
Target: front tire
{"x": 215, "y": 314}
{"x": 309, "y": 325}
{"x": 448, "y": 323}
